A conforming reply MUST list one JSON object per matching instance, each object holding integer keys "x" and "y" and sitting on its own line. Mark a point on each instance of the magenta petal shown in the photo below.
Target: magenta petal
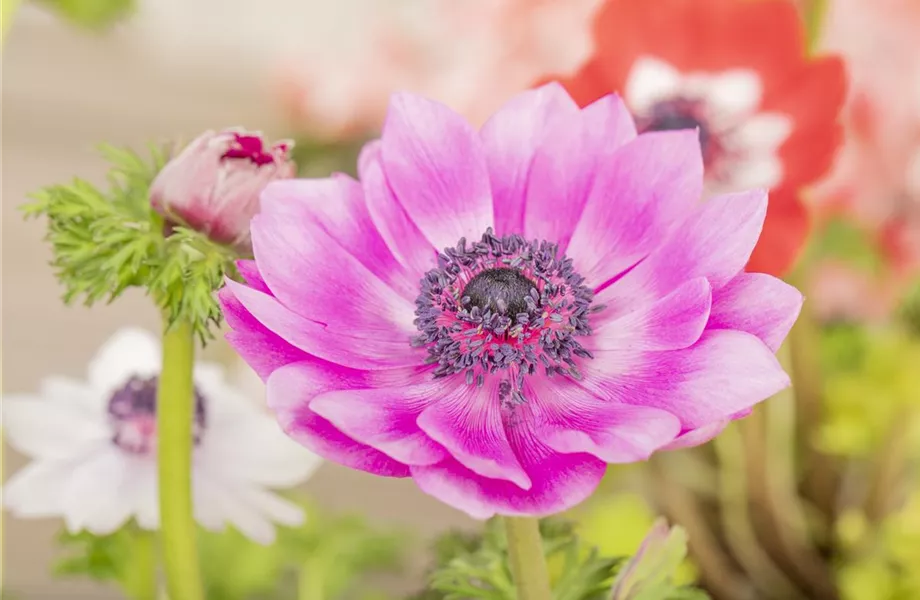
{"x": 249, "y": 271}
{"x": 646, "y": 188}
{"x": 701, "y": 435}
{"x": 313, "y": 338}
{"x": 338, "y": 206}
{"x": 384, "y": 419}
{"x": 435, "y": 164}
{"x": 714, "y": 242}
{"x": 467, "y": 421}
{"x": 759, "y": 304}
{"x": 510, "y": 139}
{"x": 676, "y": 321}
{"x": 312, "y": 275}
{"x": 289, "y": 391}
{"x": 262, "y": 350}
{"x": 403, "y": 238}
{"x": 560, "y": 481}
{"x": 724, "y": 373}
{"x": 572, "y": 420}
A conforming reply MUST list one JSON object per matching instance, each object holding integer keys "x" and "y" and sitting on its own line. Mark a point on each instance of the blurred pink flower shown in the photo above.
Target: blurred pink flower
{"x": 840, "y": 292}
{"x": 876, "y": 180}
{"x": 213, "y": 185}
{"x": 472, "y": 55}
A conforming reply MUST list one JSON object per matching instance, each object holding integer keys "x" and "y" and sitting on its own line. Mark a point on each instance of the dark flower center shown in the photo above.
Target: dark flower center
{"x": 677, "y": 114}
{"x": 252, "y": 148}
{"x": 502, "y": 291}
{"x": 132, "y": 415}
{"x": 504, "y": 307}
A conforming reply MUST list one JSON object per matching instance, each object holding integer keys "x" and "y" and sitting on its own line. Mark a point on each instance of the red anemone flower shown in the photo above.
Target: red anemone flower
{"x": 737, "y": 71}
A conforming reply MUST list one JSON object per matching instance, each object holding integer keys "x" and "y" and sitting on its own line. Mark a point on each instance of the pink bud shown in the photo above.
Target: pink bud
{"x": 214, "y": 184}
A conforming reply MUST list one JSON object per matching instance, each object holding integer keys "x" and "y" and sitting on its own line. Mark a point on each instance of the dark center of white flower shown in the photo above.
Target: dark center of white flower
{"x": 504, "y": 307}
{"x": 132, "y": 415}
{"x": 676, "y": 114}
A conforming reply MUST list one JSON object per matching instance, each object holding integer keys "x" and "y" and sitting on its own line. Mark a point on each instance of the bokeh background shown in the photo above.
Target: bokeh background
{"x": 321, "y": 72}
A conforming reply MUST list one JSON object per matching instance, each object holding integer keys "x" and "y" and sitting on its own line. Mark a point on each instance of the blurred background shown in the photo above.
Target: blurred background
{"x": 814, "y": 496}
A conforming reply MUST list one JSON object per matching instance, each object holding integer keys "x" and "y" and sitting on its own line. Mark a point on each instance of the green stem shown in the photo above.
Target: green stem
{"x": 310, "y": 582}
{"x": 140, "y": 581}
{"x": 175, "y": 410}
{"x": 528, "y": 562}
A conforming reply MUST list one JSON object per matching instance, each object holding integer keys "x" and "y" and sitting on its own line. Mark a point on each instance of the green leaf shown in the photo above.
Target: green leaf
{"x": 105, "y": 241}
{"x": 102, "y": 558}
{"x": 91, "y": 14}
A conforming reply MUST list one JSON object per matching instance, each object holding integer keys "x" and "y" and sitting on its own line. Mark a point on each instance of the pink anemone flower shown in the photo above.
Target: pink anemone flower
{"x": 499, "y": 314}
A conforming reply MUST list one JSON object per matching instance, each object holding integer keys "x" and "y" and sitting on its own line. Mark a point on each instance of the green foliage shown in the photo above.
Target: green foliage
{"x": 330, "y": 555}
{"x": 101, "y": 558}
{"x": 871, "y": 383}
{"x": 883, "y": 562}
{"x": 105, "y": 241}
{"x": 651, "y": 573}
{"x": 471, "y": 566}
{"x": 316, "y": 158}
{"x": 91, "y": 14}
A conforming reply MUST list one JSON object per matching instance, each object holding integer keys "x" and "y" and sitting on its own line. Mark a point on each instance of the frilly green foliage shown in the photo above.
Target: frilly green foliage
{"x": 107, "y": 240}
{"x": 91, "y": 14}
{"x": 332, "y": 554}
{"x": 475, "y": 566}
{"x": 872, "y": 382}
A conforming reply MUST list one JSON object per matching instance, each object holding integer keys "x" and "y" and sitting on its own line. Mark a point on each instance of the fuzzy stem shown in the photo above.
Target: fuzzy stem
{"x": 528, "y": 562}
{"x": 175, "y": 410}
{"x": 140, "y": 582}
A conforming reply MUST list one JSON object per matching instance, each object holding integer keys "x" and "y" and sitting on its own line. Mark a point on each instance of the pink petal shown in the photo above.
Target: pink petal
{"x": 289, "y": 391}
{"x": 510, "y": 139}
{"x": 385, "y": 419}
{"x": 714, "y": 242}
{"x": 313, "y": 338}
{"x": 645, "y": 189}
{"x": 467, "y": 421}
{"x": 262, "y": 350}
{"x": 249, "y": 271}
{"x": 560, "y": 481}
{"x": 704, "y": 434}
{"x": 572, "y": 421}
{"x": 676, "y": 321}
{"x": 312, "y": 275}
{"x": 759, "y": 304}
{"x": 435, "y": 164}
{"x": 402, "y": 236}
{"x": 608, "y": 126}
{"x": 724, "y": 373}
{"x": 337, "y": 205}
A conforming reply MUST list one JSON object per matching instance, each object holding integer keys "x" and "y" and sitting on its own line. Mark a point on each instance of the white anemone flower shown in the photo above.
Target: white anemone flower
{"x": 93, "y": 449}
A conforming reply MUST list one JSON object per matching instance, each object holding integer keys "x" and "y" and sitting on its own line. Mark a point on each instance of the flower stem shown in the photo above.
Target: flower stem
{"x": 140, "y": 581}
{"x": 310, "y": 581}
{"x": 528, "y": 562}
{"x": 175, "y": 406}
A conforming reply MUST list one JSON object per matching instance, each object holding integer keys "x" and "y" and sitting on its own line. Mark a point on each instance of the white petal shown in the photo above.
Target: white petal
{"x": 755, "y": 172}
{"x": 130, "y": 351}
{"x": 64, "y": 390}
{"x": 254, "y": 449}
{"x": 732, "y": 94}
{"x": 148, "y": 508}
{"x": 216, "y": 501}
{"x": 650, "y": 81}
{"x": 99, "y": 497}
{"x": 273, "y": 506}
{"x": 762, "y": 133}
{"x": 44, "y": 429}
{"x": 37, "y": 490}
